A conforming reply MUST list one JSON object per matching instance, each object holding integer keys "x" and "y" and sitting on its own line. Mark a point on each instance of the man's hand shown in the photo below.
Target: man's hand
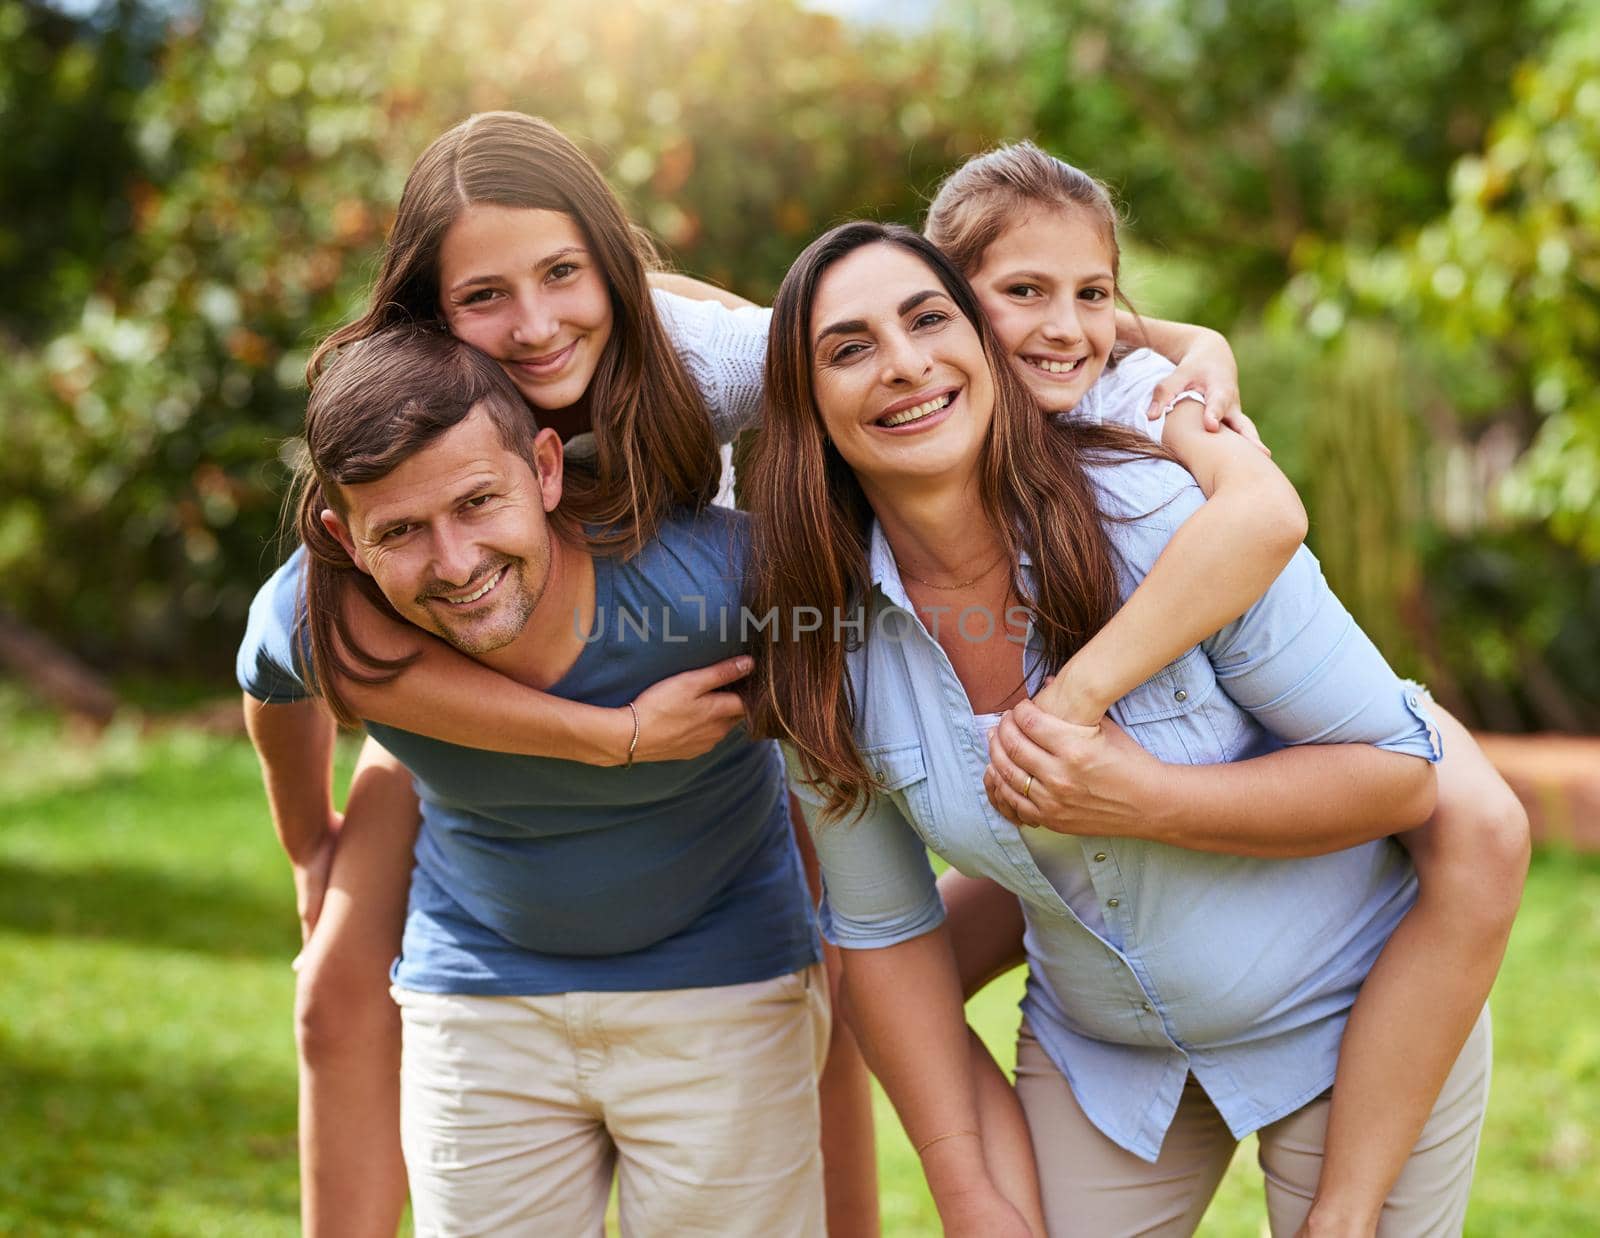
{"x": 1084, "y": 780}
{"x": 311, "y": 877}
{"x": 689, "y": 713}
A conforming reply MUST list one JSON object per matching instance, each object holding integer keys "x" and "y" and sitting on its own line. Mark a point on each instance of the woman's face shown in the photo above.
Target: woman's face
{"x": 1047, "y": 286}
{"x": 900, "y": 376}
{"x": 521, "y": 285}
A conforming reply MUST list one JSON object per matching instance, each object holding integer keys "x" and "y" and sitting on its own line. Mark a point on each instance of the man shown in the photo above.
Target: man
{"x": 599, "y": 965}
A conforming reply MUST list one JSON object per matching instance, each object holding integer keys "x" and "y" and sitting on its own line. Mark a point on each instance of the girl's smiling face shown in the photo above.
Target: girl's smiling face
{"x": 1048, "y": 286}
{"x": 522, "y": 285}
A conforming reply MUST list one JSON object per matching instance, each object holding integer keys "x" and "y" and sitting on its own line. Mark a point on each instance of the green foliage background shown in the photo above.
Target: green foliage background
{"x": 1391, "y": 206}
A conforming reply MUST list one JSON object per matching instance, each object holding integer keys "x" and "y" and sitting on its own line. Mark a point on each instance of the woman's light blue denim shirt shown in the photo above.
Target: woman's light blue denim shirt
{"x": 1240, "y": 970}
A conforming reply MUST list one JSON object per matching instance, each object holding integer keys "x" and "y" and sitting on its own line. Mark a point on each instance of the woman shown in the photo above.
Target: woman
{"x": 1179, "y": 999}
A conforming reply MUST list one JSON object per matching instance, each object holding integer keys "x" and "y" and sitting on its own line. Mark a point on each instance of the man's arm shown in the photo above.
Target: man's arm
{"x": 294, "y": 743}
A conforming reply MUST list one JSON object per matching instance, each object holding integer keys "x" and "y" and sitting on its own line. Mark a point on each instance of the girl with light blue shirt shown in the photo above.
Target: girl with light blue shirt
{"x": 907, "y": 488}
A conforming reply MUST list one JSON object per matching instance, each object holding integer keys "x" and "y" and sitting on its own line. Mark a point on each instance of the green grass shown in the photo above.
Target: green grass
{"x": 147, "y": 1062}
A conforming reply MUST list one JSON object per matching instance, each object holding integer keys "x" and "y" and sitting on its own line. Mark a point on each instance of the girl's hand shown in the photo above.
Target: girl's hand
{"x": 688, "y": 714}
{"x": 1208, "y": 367}
{"x": 1085, "y": 780}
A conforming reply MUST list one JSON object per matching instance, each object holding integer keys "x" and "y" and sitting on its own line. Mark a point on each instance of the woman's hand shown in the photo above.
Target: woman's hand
{"x": 1084, "y": 780}
{"x": 1208, "y": 366}
{"x": 981, "y": 1214}
{"x": 688, "y": 714}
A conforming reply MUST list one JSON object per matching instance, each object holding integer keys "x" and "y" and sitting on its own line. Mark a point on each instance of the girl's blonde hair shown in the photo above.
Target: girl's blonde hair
{"x": 994, "y": 191}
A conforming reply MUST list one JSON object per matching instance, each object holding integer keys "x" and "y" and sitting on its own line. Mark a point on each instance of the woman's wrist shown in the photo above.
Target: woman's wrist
{"x": 1167, "y": 808}
{"x": 954, "y": 1166}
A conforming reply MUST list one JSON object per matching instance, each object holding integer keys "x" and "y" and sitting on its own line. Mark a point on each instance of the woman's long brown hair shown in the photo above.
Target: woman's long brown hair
{"x": 654, "y": 445}
{"x": 811, "y": 523}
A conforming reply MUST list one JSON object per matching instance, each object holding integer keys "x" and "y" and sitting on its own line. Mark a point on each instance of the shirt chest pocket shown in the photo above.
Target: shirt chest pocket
{"x": 902, "y": 771}
{"x": 1177, "y": 714}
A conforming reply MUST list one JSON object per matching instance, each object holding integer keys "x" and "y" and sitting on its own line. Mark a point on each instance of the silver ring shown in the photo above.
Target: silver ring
{"x": 1198, "y": 396}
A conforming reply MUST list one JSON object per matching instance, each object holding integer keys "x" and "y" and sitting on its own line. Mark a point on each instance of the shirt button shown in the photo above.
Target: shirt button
{"x": 1180, "y": 695}
{"x": 1113, "y": 902}
{"x": 1147, "y": 1008}
{"x": 1099, "y": 857}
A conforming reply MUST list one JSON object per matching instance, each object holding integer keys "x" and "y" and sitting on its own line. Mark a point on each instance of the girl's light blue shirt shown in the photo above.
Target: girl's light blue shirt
{"x": 1240, "y": 970}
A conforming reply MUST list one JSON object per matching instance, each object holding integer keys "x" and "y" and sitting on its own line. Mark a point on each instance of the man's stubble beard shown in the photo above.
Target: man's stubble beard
{"x": 517, "y": 609}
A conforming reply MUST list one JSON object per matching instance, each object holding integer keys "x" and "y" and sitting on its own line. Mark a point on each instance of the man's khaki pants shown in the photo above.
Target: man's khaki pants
{"x": 516, "y": 1110}
{"x": 1095, "y": 1189}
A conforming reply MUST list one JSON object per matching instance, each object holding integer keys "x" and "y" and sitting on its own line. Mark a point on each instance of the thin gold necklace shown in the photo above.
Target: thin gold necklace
{"x": 960, "y": 584}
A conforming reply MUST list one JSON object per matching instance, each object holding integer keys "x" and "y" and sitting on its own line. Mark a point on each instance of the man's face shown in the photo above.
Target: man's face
{"x": 456, "y": 537}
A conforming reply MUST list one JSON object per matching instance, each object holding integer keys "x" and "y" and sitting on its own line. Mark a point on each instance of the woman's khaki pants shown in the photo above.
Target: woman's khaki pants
{"x": 1095, "y": 1189}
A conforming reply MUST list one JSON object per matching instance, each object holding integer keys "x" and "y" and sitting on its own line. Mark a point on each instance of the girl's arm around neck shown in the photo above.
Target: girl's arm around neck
{"x": 695, "y": 289}
{"x": 1217, "y": 564}
{"x": 1204, "y": 362}
{"x": 448, "y": 696}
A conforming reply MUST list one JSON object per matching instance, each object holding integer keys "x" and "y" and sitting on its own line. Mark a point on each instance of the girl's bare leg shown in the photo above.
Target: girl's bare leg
{"x": 1426, "y": 990}
{"x": 986, "y": 932}
{"x": 347, "y": 1029}
{"x": 849, "y": 1145}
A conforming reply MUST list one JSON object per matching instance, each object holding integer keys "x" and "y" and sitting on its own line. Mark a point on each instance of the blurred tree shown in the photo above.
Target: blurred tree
{"x": 1498, "y": 301}
{"x": 142, "y": 479}
{"x": 68, "y": 86}
{"x": 176, "y": 251}
{"x": 1237, "y": 130}
{"x": 1507, "y": 281}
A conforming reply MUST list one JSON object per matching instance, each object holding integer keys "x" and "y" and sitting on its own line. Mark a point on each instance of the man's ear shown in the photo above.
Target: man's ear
{"x": 335, "y": 525}
{"x": 548, "y": 462}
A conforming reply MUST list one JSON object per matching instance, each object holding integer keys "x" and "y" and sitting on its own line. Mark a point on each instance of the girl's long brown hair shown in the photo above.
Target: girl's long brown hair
{"x": 811, "y": 523}
{"x": 654, "y": 445}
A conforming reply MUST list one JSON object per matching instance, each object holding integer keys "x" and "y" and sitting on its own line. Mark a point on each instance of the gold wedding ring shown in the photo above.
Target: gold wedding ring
{"x": 1027, "y": 786}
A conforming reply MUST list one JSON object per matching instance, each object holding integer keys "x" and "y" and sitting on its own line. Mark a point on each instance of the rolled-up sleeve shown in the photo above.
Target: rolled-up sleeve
{"x": 878, "y": 888}
{"x": 1300, "y": 665}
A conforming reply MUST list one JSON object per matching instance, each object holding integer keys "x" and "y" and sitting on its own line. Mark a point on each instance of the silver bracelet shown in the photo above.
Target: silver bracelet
{"x": 633, "y": 744}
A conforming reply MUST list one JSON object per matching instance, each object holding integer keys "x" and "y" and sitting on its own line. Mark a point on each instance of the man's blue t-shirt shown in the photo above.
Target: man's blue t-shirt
{"x": 537, "y": 875}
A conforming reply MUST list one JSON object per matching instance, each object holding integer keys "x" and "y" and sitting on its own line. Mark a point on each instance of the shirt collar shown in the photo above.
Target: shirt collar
{"x": 884, "y": 572}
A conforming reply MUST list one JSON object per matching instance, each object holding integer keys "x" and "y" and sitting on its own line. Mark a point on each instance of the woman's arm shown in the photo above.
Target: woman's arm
{"x": 904, "y": 1004}
{"x": 1296, "y": 802}
{"x": 1298, "y": 663}
{"x": 1219, "y": 561}
{"x": 448, "y": 696}
{"x": 903, "y": 998}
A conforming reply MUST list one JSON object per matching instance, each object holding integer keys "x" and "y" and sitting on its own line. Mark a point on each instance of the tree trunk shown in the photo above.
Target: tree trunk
{"x": 52, "y": 675}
